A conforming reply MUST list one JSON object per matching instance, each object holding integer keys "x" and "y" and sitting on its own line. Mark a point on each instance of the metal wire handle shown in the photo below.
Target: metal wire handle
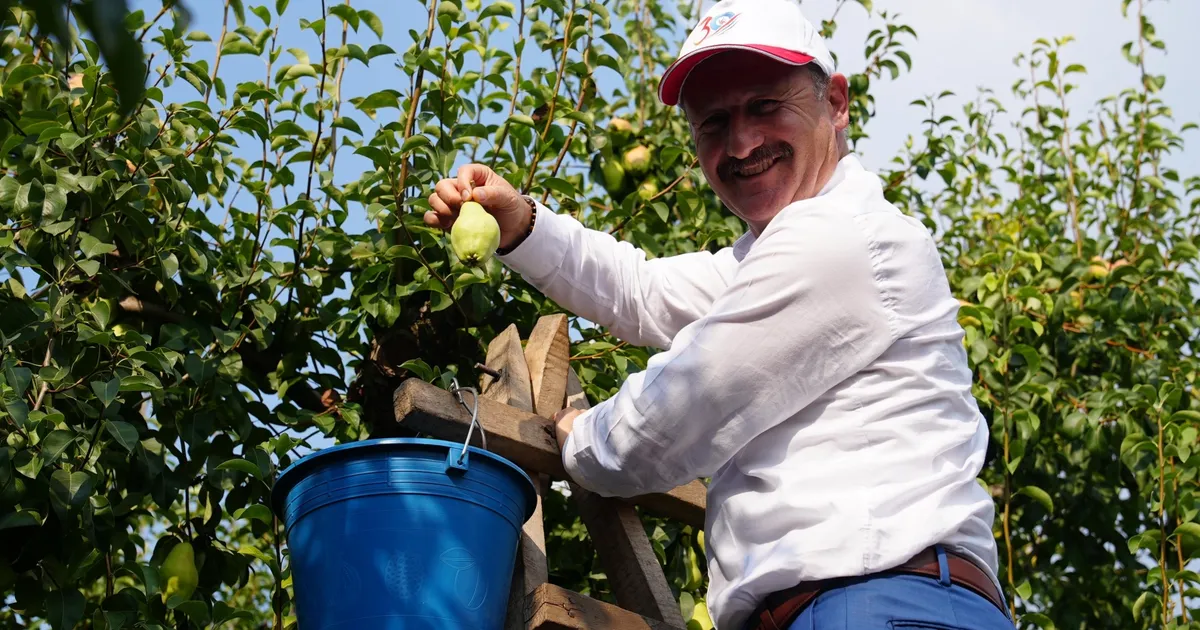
{"x": 474, "y": 409}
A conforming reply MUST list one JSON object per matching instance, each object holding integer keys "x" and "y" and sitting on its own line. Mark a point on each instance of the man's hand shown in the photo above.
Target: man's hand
{"x": 563, "y": 422}
{"x": 476, "y": 182}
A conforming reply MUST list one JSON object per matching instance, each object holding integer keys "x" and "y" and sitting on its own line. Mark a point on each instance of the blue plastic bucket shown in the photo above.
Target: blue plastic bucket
{"x": 399, "y": 534}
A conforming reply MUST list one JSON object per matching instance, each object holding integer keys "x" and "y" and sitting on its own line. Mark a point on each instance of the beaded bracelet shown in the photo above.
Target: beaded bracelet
{"x": 529, "y": 230}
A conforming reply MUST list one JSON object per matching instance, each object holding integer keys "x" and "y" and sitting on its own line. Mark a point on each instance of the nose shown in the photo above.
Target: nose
{"x": 744, "y": 137}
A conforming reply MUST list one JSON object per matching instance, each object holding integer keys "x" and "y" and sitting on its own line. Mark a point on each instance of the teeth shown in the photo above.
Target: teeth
{"x": 754, "y": 169}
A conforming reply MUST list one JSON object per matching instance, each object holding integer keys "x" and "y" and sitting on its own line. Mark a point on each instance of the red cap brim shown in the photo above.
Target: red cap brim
{"x": 678, "y": 72}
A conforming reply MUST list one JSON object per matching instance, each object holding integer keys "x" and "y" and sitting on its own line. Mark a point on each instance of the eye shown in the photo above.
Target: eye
{"x": 713, "y": 122}
{"x": 765, "y": 105}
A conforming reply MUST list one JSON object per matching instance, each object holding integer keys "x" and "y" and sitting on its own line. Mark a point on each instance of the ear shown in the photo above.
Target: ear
{"x": 838, "y": 96}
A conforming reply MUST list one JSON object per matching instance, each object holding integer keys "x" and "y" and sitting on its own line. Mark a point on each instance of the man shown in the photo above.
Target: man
{"x": 815, "y": 369}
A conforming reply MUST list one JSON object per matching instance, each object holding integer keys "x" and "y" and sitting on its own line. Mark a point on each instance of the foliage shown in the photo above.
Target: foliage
{"x": 192, "y": 298}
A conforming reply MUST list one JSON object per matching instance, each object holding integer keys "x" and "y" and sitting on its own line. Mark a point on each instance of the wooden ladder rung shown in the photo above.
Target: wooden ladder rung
{"x": 552, "y": 607}
{"x": 526, "y": 439}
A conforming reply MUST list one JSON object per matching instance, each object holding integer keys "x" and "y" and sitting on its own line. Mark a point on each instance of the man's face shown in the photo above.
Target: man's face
{"x": 764, "y": 136}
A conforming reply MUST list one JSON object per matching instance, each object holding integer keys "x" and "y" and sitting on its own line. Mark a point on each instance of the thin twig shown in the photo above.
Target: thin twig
{"x": 45, "y": 363}
{"x": 337, "y": 108}
{"x": 512, "y": 104}
{"x": 312, "y": 158}
{"x": 582, "y": 357}
{"x": 220, "y": 45}
{"x": 1065, "y": 142}
{"x": 411, "y": 118}
{"x": 562, "y": 68}
{"x": 162, "y": 12}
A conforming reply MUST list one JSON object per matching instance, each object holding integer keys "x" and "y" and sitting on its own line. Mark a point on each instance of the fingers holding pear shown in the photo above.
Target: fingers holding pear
{"x": 494, "y": 196}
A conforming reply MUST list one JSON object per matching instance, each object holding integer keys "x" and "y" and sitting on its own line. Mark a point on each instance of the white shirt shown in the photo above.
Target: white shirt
{"x": 817, "y": 374}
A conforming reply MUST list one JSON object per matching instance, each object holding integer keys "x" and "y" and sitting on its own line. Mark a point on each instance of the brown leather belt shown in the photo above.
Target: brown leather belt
{"x": 780, "y": 609}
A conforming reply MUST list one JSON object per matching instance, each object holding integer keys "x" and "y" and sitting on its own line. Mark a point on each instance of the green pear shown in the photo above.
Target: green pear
{"x": 475, "y": 234}
{"x": 620, "y": 130}
{"x": 695, "y": 578}
{"x": 637, "y": 160}
{"x": 700, "y": 618}
{"x": 648, "y": 189}
{"x": 179, "y": 572}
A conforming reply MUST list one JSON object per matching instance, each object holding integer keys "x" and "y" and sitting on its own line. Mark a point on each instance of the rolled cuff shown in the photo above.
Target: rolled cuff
{"x": 541, "y": 253}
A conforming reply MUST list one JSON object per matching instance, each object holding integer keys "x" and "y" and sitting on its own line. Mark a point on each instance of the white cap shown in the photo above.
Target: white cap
{"x": 775, "y": 28}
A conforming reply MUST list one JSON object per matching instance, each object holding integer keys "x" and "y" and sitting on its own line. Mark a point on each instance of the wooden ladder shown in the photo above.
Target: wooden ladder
{"x": 514, "y": 411}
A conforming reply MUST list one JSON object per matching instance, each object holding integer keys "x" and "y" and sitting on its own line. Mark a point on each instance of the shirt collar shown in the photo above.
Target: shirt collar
{"x": 850, "y": 162}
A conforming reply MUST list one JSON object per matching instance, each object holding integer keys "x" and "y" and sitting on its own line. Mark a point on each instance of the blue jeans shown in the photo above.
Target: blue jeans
{"x": 901, "y": 602}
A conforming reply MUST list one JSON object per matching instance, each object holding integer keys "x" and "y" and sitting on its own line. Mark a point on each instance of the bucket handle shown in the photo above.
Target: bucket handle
{"x": 460, "y": 463}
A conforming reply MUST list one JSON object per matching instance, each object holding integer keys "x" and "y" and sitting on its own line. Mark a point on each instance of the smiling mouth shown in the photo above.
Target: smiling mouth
{"x": 753, "y": 170}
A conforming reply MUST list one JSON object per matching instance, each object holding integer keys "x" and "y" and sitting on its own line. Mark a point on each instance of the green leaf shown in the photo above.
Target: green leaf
{"x": 238, "y": 47}
{"x": 379, "y": 100}
{"x": 497, "y": 8}
{"x": 263, "y": 14}
{"x": 349, "y": 124}
{"x": 195, "y": 610}
{"x": 618, "y": 43}
{"x": 241, "y": 465}
{"x": 348, "y": 15}
{"x": 1188, "y": 530}
{"x": 414, "y": 142}
{"x": 72, "y": 488}
{"x": 18, "y": 378}
{"x": 19, "y": 410}
{"x": 1039, "y": 620}
{"x": 1185, "y": 415}
{"x": 107, "y": 391}
{"x": 372, "y": 21}
{"x": 418, "y": 366}
{"x": 521, "y": 119}
{"x": 64, "y": 609}
{"x": 256, "y": 511}
{"x": 92, "y": 246}
{"x": 58, "y": 227}
{"x": 124, "y": 433}
{"x": 560, "y": 186}
{"x": 102, "y": 313}
{"x": 1032, "y": 359}
{"x": 170, "y": 265}
{"x": 54, "y": 444}
{"x": 20, "y": 518}
{"x": 54, "y": 203}
{"x": 1024, "y": 590}
{"x": 23, "y": 73}
{"x": 1039, "y": 495}
{"x": 379, "y": 49}
{"x": 299, "y": 70}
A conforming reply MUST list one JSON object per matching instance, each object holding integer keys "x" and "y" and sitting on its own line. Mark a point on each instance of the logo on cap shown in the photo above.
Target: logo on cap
{"x": 719, "y": 24}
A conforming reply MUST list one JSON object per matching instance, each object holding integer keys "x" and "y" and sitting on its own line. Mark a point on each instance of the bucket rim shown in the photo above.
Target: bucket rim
{"x": 299, "y": 469}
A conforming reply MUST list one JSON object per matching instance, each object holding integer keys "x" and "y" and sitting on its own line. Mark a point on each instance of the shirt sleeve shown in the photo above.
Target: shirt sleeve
{"x": 611, "y": 283}
{"x": 802, "y": 313}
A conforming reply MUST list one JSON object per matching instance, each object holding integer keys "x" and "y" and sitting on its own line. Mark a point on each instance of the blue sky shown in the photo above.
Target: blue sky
{"x": 961, "y": 46}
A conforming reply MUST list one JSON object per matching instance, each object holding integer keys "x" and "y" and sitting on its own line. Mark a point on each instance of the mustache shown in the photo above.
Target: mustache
{"x": 761, "y": 156}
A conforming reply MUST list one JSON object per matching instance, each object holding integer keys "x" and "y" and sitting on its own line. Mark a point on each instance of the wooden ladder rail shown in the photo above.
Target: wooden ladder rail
{"x": 515, "y": 411}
